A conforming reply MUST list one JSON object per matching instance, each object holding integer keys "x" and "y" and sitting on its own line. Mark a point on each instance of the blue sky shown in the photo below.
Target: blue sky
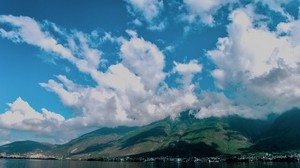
{"x": 68, "y": 68}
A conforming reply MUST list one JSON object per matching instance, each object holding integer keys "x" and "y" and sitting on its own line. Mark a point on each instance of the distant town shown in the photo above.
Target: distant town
{"x": 259, "y": 157}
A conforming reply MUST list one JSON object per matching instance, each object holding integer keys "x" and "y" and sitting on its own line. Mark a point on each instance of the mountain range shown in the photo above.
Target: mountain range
{"x": 183, "y": 136}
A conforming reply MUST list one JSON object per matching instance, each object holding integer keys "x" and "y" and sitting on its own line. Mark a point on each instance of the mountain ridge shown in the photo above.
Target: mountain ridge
{"x": 184, "y": 136}
{"x": 26, "y": 147}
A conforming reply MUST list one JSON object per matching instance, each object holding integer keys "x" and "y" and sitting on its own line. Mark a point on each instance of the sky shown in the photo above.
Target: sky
{"x": 67, "y": 68}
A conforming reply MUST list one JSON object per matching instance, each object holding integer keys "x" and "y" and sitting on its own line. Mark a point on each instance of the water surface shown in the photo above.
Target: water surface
{"x": 26, "y": 163}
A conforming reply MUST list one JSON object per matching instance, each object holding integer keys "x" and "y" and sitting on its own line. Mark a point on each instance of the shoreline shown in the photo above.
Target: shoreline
{"x": 217, "y": 159}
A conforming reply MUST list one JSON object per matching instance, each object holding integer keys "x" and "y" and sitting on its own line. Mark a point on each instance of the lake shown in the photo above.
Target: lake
{"x": 26, "y": 163}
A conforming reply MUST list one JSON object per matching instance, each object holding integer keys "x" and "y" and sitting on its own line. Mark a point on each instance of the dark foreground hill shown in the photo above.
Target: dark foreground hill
{"x": 283, "y": 135}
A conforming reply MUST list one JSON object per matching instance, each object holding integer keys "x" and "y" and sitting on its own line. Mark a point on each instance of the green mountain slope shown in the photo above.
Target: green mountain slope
{"x": 183, "y": 136}
{"x": 25, "y": 147}
{"x": 93, "y": 141}
{"x": 283, "y": 135}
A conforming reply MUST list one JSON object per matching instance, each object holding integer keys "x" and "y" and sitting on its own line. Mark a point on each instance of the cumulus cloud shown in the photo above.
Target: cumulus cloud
{"x": 203, "y": 10}
{"x": 148, "y": 11}
{"x": 22, "y": 116}
{"x": 187, "y": 71}
{"x": 260, "y": 66}
{"x": 214, "y": 104}
{"x": 126, "y": 104}
{"x": 45, "y": 125}
{"x": 131, "y": 92}
{"x": 145, "y": 59}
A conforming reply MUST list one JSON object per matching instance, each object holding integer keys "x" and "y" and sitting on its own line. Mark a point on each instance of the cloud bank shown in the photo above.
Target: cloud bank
{"x": 260, "y": 66}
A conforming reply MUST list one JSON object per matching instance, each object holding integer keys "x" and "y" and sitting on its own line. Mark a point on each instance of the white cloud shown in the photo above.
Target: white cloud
{"x": 66, "y": 97}
{"x": 48, "y": 115}
{"x": 44, "y": 126}
{"x": 131, "y": 92}
{"x": 22, "y": 116}
{"x": 255, "y": 51}
{"x": 292, "y": 30}
{"x": 187, "y": 71}
{"x": 137, "y": 22}
{"x": 108, "y": 37}
{"x": 91, "y": 56}
{"x": 213, "y": 104}
{"x": 220, "y": 78}
{"x": 261, "y": 67}
{"x": 120, "y": 100}
{"x": 126, "y": 104}
{"x": 158, "y": 27}
{"x": 191, "y": 67}
{"x": 203, "y": 10}
{"x": 277, "y": 6}
{"x": 148, "y": 11}
{"x": 117, "y": 73}
{"x": 26, "y": 29}
{"x": 144, "y": 59}
{"x": 169, "y": 49}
